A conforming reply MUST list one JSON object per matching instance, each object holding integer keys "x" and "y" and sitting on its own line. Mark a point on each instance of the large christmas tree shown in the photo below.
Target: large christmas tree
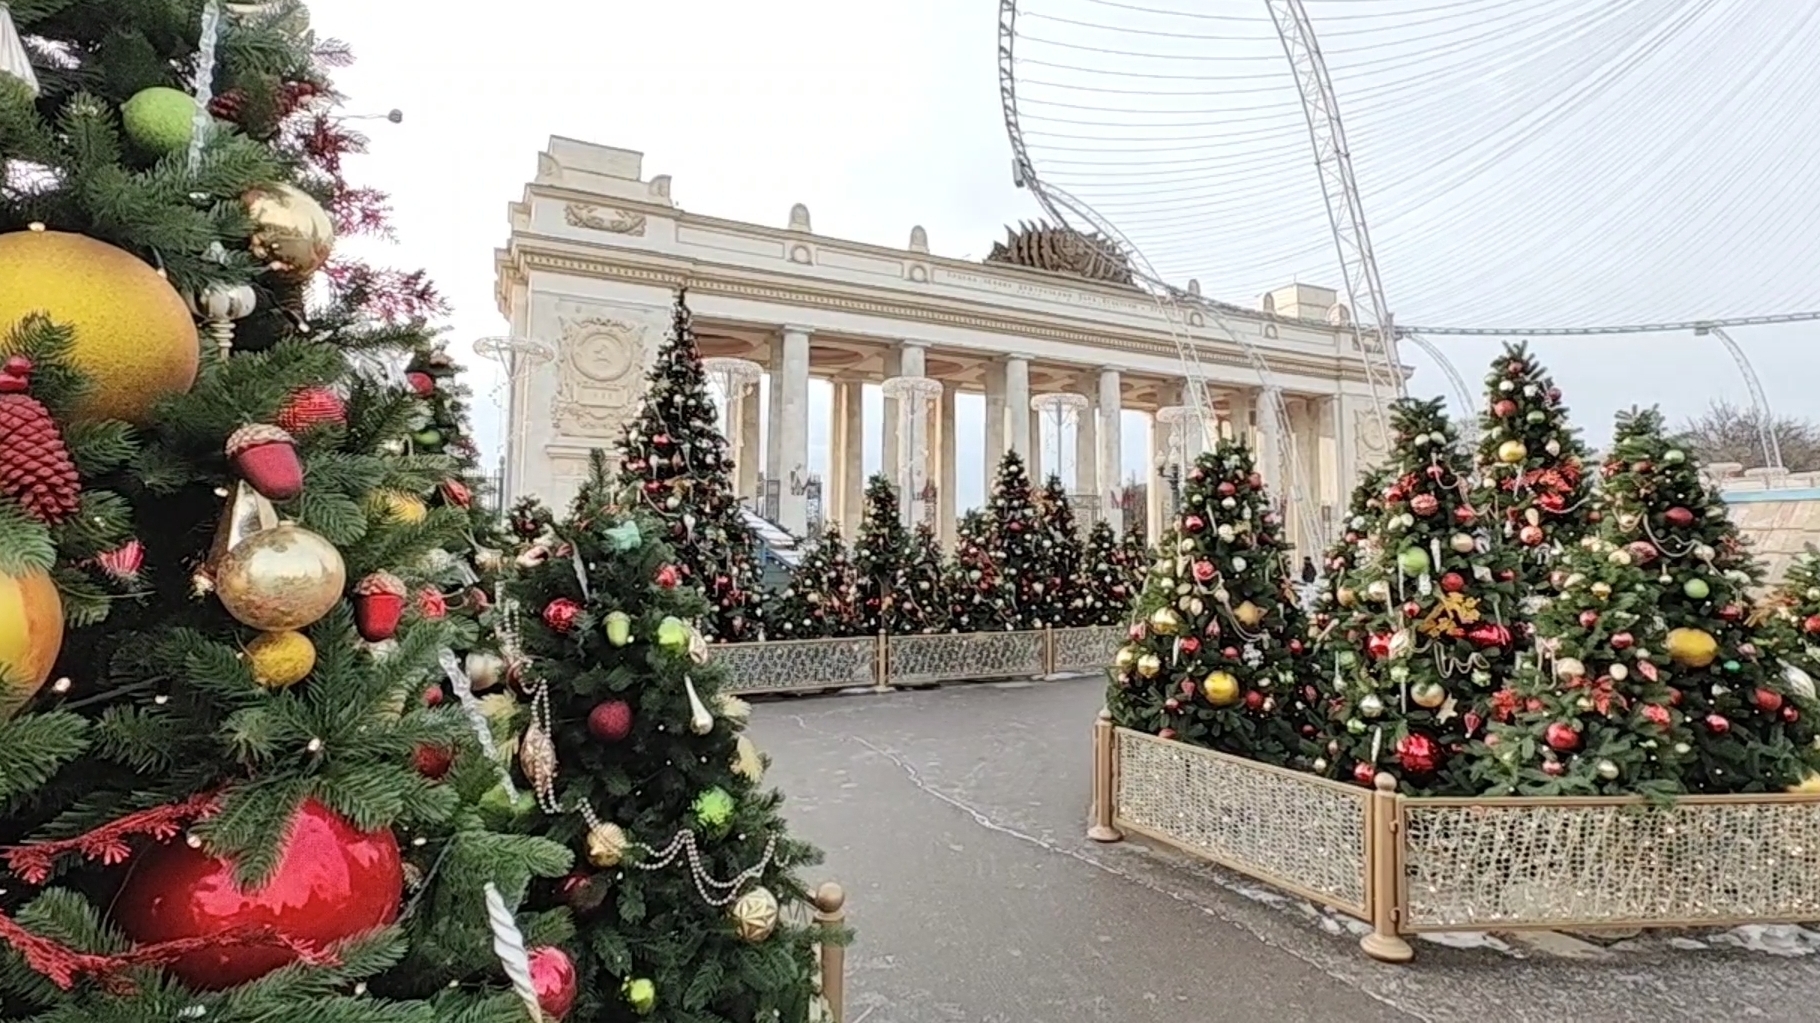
{"x": 1531, "y": 467}
{"x": 1061, "y": 555}
{"x": 1434, "y": 605}
{"x": 878, "y": 555}
{"x": 1218, "y": 649}
{"x": 821, "y": 599}
{"x": 976, "y": 600}
{"x": 219, "y": 755}
{"x": 1791, "y": 621}
{"x": 641, "y": 767}
{"x": 920, "y": 595}
{"x": 1016, "y": 547}
{"x": 674, "y": 464}
{"x": 1104, "y": 590}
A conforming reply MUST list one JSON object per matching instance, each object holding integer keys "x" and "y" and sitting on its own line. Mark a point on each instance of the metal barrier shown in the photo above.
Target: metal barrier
{"x": 814, "y": 665}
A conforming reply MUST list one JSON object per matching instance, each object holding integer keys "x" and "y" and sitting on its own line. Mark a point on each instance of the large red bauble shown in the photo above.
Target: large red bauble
{"x": 1378, "y": 646}
{"x": 1363, "y": 773}
{"x": 1678, "y": 517}
{"x": 611, "y": 720}
{"x": 1190, "y": 645}
{"x": 1453, "y": 582}
{"x": 1465, "y": 514}
{"x": 1424, "y": 504}
{"x": 1589, "y": 618}
{"x": 1504, "y": 408}
{"x": 1622, "y": 640}
{"x": 1226, "y": 488}
{"x": 332, "y": 883}
{"x": 1562, "y": 736}
{"x": 1718, "y": 724}
{"x": 1553, "y": 768}
{"x": 1194, "y": 523}
{"x": 1767, "y": 699}
{"x": 554, "y": 979}
{"x": 1488, "y": 634}
{"x": 1418, "y": 753}
{"x": 1811, "y": 625}
{"x": 1531, "y": 536}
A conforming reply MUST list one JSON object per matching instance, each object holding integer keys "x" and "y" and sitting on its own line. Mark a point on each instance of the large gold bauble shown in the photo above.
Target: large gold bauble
{"x": 31, "y": 635}
{"x": 281, "y": 578}
{"x": 1347, "y": 596}
{"x": 755, "y": 915}
{"x": 133, "y": 337}
{"x": 1165, "y": 622}
{"x": 1692, "y": 648}
{"x": 1149, "y": 664}
{"x": 1222, "y": 689}
{"x": 606, "y": 845}
{"x": 280, "y": 659}
{"x": 1512, "y": 451}
{"x": 1248, "y": 614}
{"x": 1126, "y": 658}
{"x": 292, "y": 230}
{"x": 1428, "y": 695}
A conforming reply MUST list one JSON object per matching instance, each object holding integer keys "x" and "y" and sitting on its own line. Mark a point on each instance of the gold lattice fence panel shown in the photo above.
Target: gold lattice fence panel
{"x": 965, "y": 656}
{"x": 1702, "y": 861}
{"x": 1086, "y": 649}
{"x": 799, "y": 665}
{"x": 1300, "y": 833}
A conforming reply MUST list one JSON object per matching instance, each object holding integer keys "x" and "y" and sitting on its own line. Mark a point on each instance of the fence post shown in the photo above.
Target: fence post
{"x": 1048, "y": 650}
{"x": 831, "y": 914}
{"x": 1102, "y": 829}
{"x": 1383, "y": 864}
{"x": 883, "y": 661}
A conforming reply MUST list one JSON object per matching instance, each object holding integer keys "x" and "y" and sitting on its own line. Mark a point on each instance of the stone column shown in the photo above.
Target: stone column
{"x": 946, "y": 499}
{"x": 909, "y": 359}
{"x": 1111, "y": 470}
{"x": 749, "y": 444}
{"x": 1037, "y": 455}
{"x": 1087, "y": 446}
{"x": 1269, "y": 442}
{"x": 1155, "y": 483}
{"x": 850, "y": 464}
{"x": 1017, "y": 405}
{"x": 995, "y": 420}
{"x": 774, "y": 420}
{"x": 793, "y": 430}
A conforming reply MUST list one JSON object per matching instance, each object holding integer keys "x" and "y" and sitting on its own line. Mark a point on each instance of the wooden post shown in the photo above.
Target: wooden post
{"x": 1048, "y": 651}
{"x": 1102, "y": 829}
{"x": 883, "y": 662}
{"x": 831, "y": 914}
{"x": 1383, "y": 864}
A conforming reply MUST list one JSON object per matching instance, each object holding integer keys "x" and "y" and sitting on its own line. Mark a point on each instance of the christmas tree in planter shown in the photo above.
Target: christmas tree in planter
{"x": 822, "y": 598}
{"x": 976, "y": 600}
{"x": 1435, "y": 609}
{"x": 919, "y": 593}
{"x": 674, "y": 464}
{"x": 1062, "y": 555}
{"x": 1791, "y": 626}
{"x": 1752, "y": 724}
{"x": 1104, "y": 588}
{"x": 878, "y": 555}
{"x": 1335, "y": 619}
{"x": 1018, "y": 548}
{"x": 1136, "y": 556}
{"x": 1216, "y": 655}
{"x": 1532, "y": 467}
{"x": 218, "y": 754}
{"x": 640, "y": 766}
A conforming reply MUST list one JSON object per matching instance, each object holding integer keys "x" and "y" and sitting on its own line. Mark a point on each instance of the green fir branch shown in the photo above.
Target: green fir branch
{"x": 26, "y": 544}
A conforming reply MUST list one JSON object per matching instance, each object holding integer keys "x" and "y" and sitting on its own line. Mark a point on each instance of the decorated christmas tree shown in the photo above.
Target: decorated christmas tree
{"x": 681, "y": 900}
{"x": 976, "y": 600}
{"x": 220, "y": 754}
{"x": 878, "y": 555}
{"x": 1136, "y": 557}
{"x": 1061, "y": 555}
{"x": 1791, "y": 626}
{"x": 822, "y": 598}
{"x": 674, "y": 465}
{"x": 1531, "y": 467}
{"x": 1104, "y": 589}
{"x": 1218, "y": 648}
{"x": 1433, "y": 602}
{"x": 1336, "y": 617}
{"x": 919, "y": 594}
{"x": 1018, "y": 548}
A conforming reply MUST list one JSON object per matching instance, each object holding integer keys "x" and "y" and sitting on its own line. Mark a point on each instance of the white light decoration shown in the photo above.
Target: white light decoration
{"x": 1062, "y": 410}
{"x": 915, "y": 397}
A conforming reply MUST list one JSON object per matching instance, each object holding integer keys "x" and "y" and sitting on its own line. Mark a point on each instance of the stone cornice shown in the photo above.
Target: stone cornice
{"x": 528, "y": 252}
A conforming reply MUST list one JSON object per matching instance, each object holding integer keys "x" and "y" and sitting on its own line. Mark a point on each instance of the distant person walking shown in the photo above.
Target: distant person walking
{"x": 1309, "y": 575}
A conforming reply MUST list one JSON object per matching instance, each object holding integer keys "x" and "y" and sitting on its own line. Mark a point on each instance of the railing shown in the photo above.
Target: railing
{"x": 1409, "y": 865}
{"x": 813, "y": 665}
{"x": 831, "y": 957}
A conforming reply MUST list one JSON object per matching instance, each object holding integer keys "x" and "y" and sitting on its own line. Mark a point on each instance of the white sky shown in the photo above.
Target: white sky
{"x": 1524, "y": 162}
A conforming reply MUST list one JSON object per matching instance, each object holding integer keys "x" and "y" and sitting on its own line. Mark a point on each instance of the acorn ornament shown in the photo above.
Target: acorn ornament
{"x": 266, "y": 457}
{"x": 378, "y": 606}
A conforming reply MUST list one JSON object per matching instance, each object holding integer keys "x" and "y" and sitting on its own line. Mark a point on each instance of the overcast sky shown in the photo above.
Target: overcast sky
{"x": 1523, "y": 162}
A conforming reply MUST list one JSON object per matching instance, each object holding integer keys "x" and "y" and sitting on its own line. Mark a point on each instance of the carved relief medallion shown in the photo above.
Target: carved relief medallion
{"x": 1370, "y": 442}
{"x": 611, "y": 221}
{"x": 601, "y": 369}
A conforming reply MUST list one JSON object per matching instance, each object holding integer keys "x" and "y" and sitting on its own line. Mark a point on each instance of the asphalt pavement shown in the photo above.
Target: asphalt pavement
{"x": 955, "y": 818}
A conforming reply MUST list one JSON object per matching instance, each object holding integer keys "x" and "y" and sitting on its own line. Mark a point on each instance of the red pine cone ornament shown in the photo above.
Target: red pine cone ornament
{"x": 266, "y": 457}
{"x": 378, "y": 606}
{"x": 312, "y": 407}
{"x": 35, "y": 466}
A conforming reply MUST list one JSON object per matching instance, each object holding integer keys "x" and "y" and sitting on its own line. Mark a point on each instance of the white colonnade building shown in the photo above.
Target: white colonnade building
{"x": 597, "y": 251}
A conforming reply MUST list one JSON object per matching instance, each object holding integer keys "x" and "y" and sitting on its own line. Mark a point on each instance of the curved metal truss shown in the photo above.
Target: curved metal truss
{"x": 1282, "y": 454}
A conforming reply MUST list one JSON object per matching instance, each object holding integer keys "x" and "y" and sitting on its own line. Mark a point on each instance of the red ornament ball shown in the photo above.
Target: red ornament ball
{"x": 1790, "y": 714}
{"x": 554, "y": 979}
{"x": 560, "y": 614}
{"x": 433, "y": 762}
{"x": 1227, "y": 488}
{"x": 1254, "y": 700}
{"x": 1731, "y": 613}
{"x": 1767, "y": 700}
{"x": 1378, "y": 646}
{"x": 1204, "y": 571}
{"x": 1191, "y": 645}
{"x": 1231, "y": 653}
{"x": 1678, "y": 517}
{"x": 1255, "y": 481}
{"x": 1531, "y": 536}
{"x": 1718, "y": 724}
{"x": 1504, "y": 408}
{"x": 1811, "y": 625}
{"x": 1295, "y": 646}
{"x": 1622, "y": 641}
{"x": 1424, "y": 504}
{"x": 1588, "y": 619}
{"x": 1364, "y": 773}
{"x": 1453, "y": 582}
{"x": 331, "y": 883}
{"x": 669, "y": 577}
{"x": 1194, "y": 524}
{"x": 610, "y": 721}
{"x": 1553, "y": 768}
{"x": 1561, "y": 736}
{"x": 1166, "y": 734}
{"x": 1465, "y": 514}
{"x": 422, "y": 383}
{"x": 311, "y": 407}
{"x": 1418, "y": 753}
{"x": 1187, "y": 687}
{"x": 1412, "y": 609}
{"x": 432, "y": 697}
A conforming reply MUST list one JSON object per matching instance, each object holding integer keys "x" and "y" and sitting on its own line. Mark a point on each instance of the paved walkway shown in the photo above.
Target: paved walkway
{"x": 954, "y": 817}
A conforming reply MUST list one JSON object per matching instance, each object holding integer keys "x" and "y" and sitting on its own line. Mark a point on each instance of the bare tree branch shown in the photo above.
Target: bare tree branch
{"x": 1729, "y": 433}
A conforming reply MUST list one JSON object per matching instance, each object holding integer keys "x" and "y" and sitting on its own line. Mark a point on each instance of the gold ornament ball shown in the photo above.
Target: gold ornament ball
{"x": 1347, "y": 596}
{"x": 1222, "y": 689}
{"x": 1600, "y": 590}
{"x": 31, "y": 636}
{"x": 1512, "y": 451}
{"x": 133, "y": 336}
{"x": 1428, "y": 695}
{"x": 1692, "y": 648}
{"x": 606, "y": 845}
{"x": 290, "y": 229}
{"x": 281, "y": 578}
{"x": 1165, "y": 622}
{"x": 1248, "y": 614}
{"x": 755, "y": 915}
{"x": 280, "y": 659}
{"x": 1126, "y": 658}
{"x": 1462, "y": 543}
{"x": 1149, "y": 664}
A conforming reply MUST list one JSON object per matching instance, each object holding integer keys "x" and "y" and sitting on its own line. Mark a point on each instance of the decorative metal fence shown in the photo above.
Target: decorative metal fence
{"x": 813, "y": 665}
{"x": 1407, "y": 865}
